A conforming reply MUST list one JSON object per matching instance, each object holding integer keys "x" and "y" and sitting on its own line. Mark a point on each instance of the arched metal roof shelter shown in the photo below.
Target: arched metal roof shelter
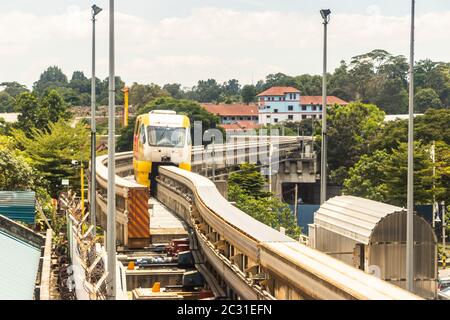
{"x": 371, "y": 235}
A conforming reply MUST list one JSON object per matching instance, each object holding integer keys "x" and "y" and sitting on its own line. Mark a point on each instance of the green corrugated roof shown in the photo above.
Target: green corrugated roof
{"x": 18, "y": 205}
{"x": 19, "y": 263}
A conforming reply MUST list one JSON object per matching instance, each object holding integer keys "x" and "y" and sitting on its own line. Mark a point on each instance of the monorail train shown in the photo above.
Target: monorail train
{"x": 161, "y": 137}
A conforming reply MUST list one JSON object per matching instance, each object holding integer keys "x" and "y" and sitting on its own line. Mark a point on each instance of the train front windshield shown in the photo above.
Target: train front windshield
{"x": 166, "y": 137}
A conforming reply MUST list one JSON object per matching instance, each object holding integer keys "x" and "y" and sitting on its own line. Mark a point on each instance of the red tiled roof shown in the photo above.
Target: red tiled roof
{"x": 278, "y": 91}
{"x": 234, "y": 109}
{"x": 318, "y": 100}
{"x": 241, "y": 125}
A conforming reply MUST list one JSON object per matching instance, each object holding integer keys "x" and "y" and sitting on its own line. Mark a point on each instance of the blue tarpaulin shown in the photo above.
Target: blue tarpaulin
{"x": 305, "y": 215}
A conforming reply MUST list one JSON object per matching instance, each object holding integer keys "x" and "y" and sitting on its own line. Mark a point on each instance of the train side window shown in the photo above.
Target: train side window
{"x": 142, "y": 134}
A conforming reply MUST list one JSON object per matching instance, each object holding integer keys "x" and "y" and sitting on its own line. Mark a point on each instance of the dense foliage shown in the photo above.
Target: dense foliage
{"x": 377, "y": 77}
{"x": 380, "y": 171}
{"x": 38, "y": 112}
{"x": 245, "y": 188}
{"x": 18, "y": 173}
{"x": 51, "y": 152}
{"x": 350, "y": 130}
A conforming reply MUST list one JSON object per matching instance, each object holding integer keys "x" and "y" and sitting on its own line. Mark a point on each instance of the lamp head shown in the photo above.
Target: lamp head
{"x": 325, "y": 13}
{"x": 96, "y": 10}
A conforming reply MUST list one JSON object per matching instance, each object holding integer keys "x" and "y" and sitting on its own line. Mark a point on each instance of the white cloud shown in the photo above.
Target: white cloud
{"x": 209, "y": 42}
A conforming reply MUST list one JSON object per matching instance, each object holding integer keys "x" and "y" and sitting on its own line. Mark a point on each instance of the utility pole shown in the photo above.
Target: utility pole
{"x": 82, "y": 187}
{"x": 296, "y": 203}
{"x": 270, "y": 167}
{"x": 410, "y": 190}
{"x": 111, "y": 197}
{"x": 433, "y": 159}
{"x": 325, "y": 13}
{"x": 443, "y": 229}
{"x": 213, "y": 158}
{"x": 95, "y": 10}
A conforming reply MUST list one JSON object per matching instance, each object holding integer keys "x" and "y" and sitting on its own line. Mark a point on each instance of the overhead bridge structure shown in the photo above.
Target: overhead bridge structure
{"x": 247, "y": 259}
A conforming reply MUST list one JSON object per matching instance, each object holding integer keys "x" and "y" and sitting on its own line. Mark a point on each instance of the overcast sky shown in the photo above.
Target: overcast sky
{"x": 165, "y": 41}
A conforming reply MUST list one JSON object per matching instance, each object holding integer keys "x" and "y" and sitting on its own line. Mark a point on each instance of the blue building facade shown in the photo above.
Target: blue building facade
{"x": 282, "y": 104}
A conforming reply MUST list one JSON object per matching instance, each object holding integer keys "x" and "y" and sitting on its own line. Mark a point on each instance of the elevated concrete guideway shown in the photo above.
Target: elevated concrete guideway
{"x": 249, "y": 259}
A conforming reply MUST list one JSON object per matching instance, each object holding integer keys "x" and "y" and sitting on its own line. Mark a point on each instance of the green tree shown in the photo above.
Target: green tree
{"x": 390, "y": 95}
{"x": 16, "y": 174}
{"x": 350, "y": 131}
{"x": 70, "y": 96}
{"x": 422, "y": 70}
{"x": 207, "y": 91}
{"x": 390, "y": 135}
{"x": 425, "y": 99}
{"x": 13, "y": 88}
{"x": 308, "y": 84}
{"x": 432, "y": 126}
{"x": 5, "y": 127}
{"x": 442, "y": 164}
{"x": 174, "y": 89}
{"x": 304, "y": 127}
{"x": 141, "y": 94}
{"x": 55, "y": 106}
{"x": 52, "y": 151}
{"x": 103, "y": 91}
{"x": 383, "y": 176}
{"x": 248, "y": 93}
{"x": 39, "y": 113}
{"x": 79, "y": 91}
{"x": 249, "y": 179}
{"x": 246, "y": 190}
{"x": 361, "y": 72}
{"x": 380, "y": 78}
{"x": 6, "y": 102}
{"x": 367, "y": 177}
{"x": 125, "y": 140}
{"x": 231, "y": 87}
{"x": 341, "y": 84}
{"x": 436, "y": 76}
{"x": 52, "y": 77}
{"x": 279, "y": 79}
{"x": 80, "y": 83}
{"x": 396, "y": 175}
{"x": 31, "y": 115}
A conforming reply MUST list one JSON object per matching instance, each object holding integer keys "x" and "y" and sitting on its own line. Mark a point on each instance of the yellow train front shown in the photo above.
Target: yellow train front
{"x": 161, "y": 137}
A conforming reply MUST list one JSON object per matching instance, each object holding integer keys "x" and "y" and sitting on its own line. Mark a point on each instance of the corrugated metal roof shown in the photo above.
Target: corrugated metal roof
{"x": 353, "y": 217}
{"x": 18, "y": 205}
{"x": 19, "y": 264}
